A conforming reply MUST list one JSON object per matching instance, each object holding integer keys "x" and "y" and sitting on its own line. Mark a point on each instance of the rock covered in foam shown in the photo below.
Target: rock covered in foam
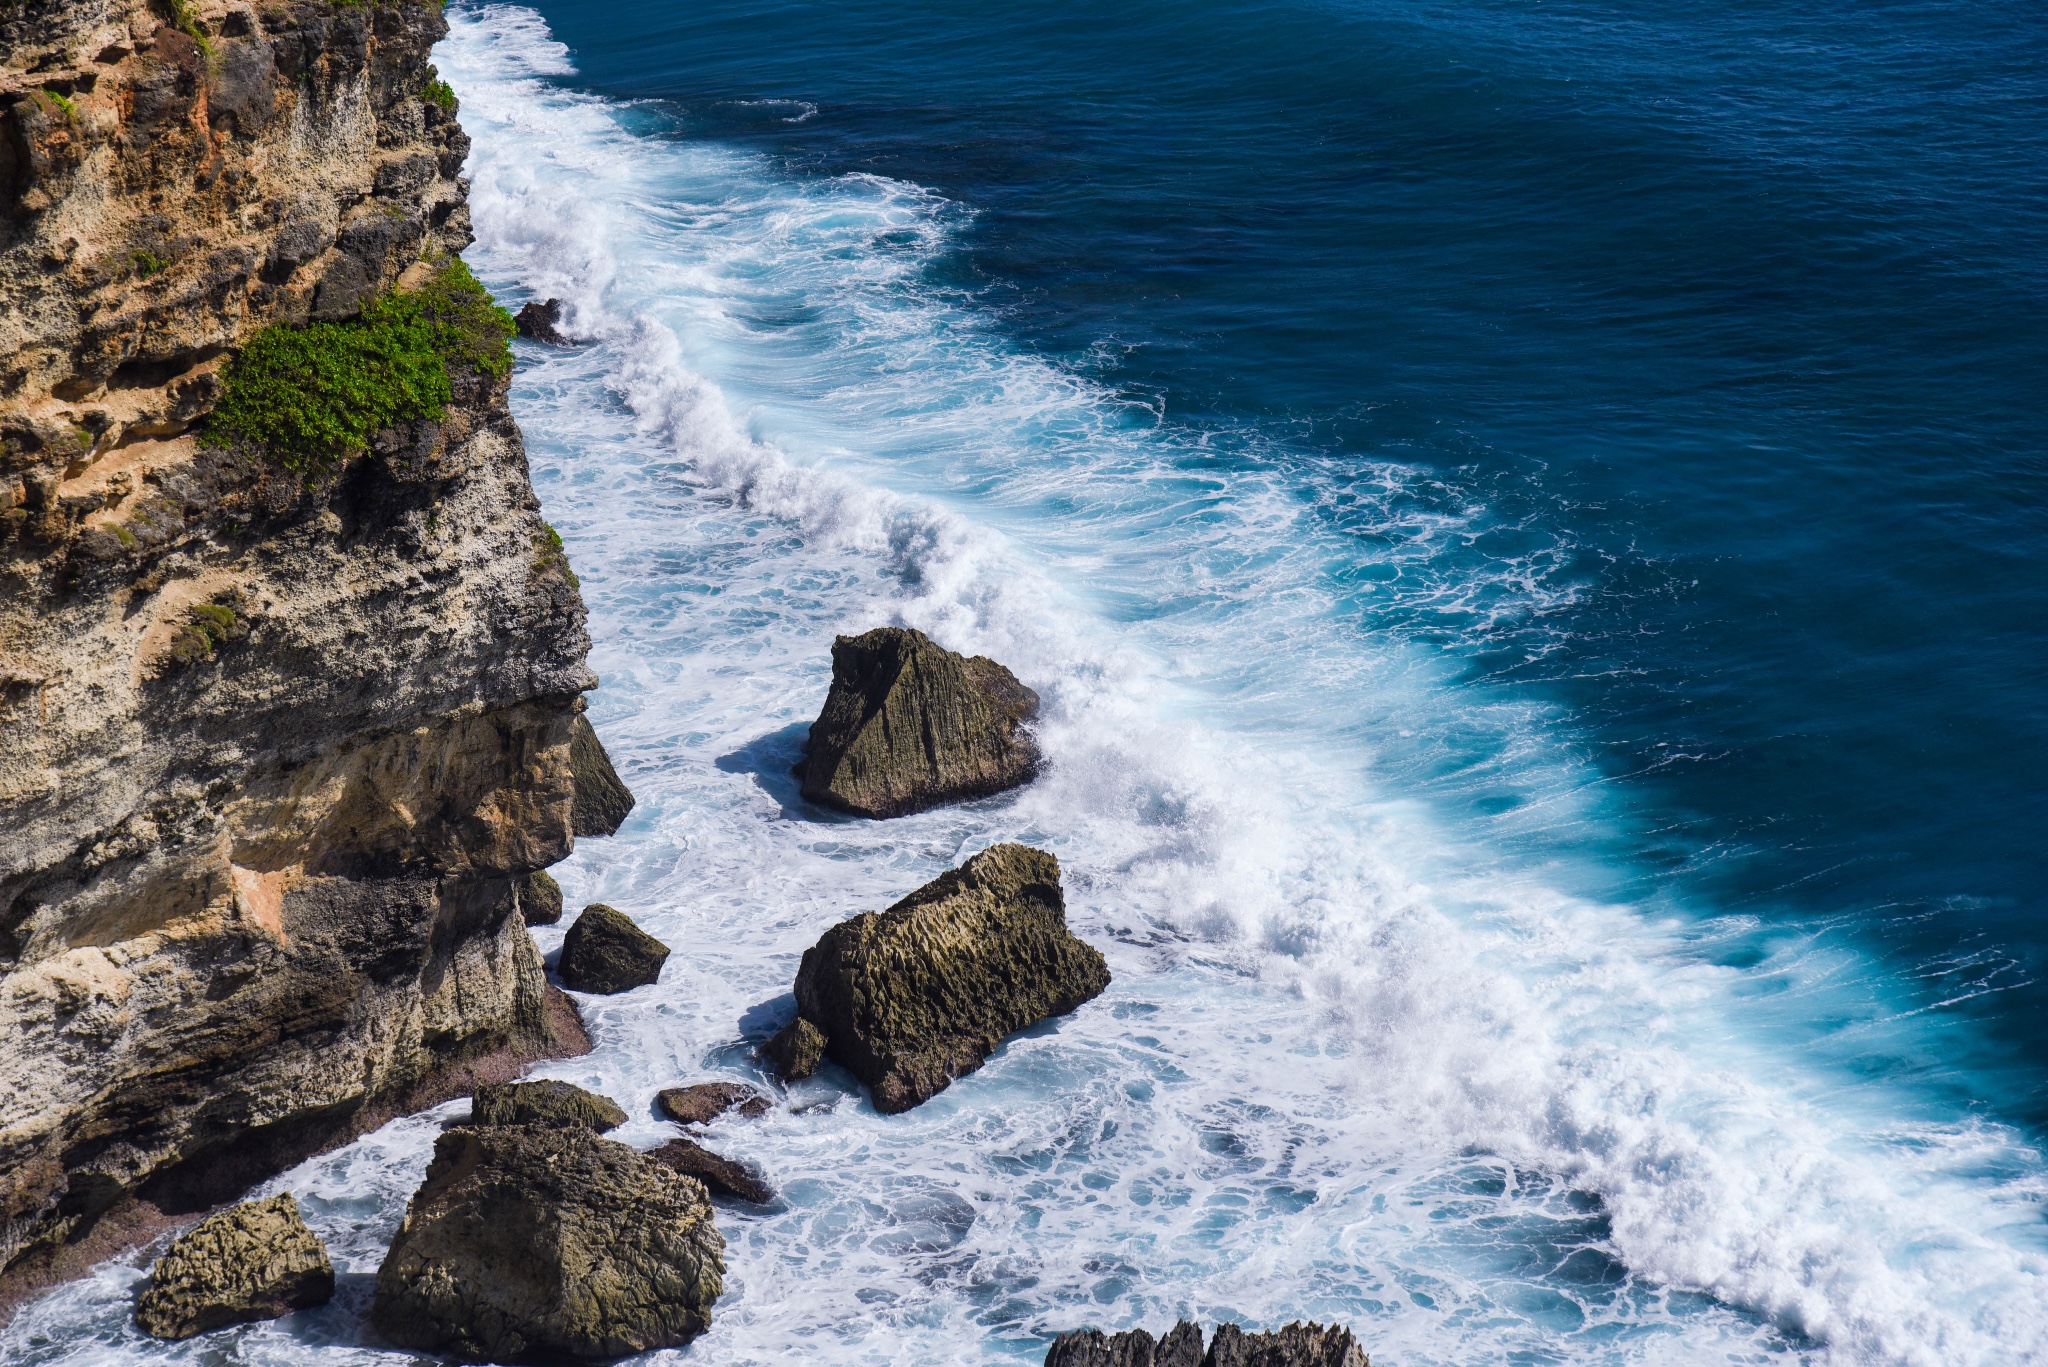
{"x": 604, "y": 952}
{"x": 910, "y": 725}
{"x": 542, "y": 322}
{"x": 910, "y": 998}
{"x": 602, "y": 801}
{"x": 526, "y": 1243}
{"x": 254, "y": 1262}
{"x": 559, "y": 1105}
{"x": 1298, "y": 1345}
{"x": 706, "y": 1101}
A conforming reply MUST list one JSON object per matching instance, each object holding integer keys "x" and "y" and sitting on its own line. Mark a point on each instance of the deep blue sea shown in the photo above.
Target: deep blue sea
{"x": 1529, "y": 522}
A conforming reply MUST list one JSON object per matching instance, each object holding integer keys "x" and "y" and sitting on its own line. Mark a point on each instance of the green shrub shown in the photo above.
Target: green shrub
{"x": 441, "y": 93}
{"x": 206, "y": 628}
{"x": 314, "y": 394}
{"x": 63, "y": 102}
{"x": 147, "y": 263}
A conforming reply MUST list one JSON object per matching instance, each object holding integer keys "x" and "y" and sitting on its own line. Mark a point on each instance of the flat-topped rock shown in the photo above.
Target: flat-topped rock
{"x": 560, "y": 1105}
{"x": 909, "y": 725}
{"x": 910, "y": 998}
{"x": 255, "y": 1262}
{"x": 720, "y": 1174}
{"x": 706, "y": 1101}
{"x": 526, "y": 1243}
{"x": 604, "y": 952}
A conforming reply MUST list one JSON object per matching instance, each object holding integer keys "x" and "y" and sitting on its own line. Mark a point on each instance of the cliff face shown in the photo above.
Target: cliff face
{"x": 273, "y": 753}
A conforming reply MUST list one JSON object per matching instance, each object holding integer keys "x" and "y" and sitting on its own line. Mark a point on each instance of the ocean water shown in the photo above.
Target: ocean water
{"x": 1526, "y": 520}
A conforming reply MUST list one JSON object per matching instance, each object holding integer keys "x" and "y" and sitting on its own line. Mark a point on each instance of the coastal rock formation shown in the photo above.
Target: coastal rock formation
{"x": 910, "y": 998}
{"x": 604, "y": 952}
{"x": 721, "y": 1175}
{"x": 254, "y": 1262}
{"x": 910, "y": 725}
{"x": 556, "y": 1105}
{"x": 542, "y": 322}
{"x": 796, "y": 1049}
{"x": 540, "y": 899}
{"x": 602, "y": 802}
{"x": 1298, "y": 1345}
{"x": 706, "y": 1101}
{"x": 277, "y": 740}
{"x": 527, "y": 1242}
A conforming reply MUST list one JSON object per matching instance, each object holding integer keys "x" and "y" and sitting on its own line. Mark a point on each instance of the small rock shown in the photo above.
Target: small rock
{"x": 527, "y": 1244}
{"x": 605, "y": 952}
{"x": 542, "y": 322}
{"x": 558, "y": 1105}
{"x": 254, "y": 1262}
{"x": 540, "y": 898}
{"x": 796, "y": 1049}
{"x": 602, "y": 800}
{"x": 910, "y": 725}
{"x": 915, "y": 996}
{"x": 722, "y": 1175}
{"x": 705, "y": 1102}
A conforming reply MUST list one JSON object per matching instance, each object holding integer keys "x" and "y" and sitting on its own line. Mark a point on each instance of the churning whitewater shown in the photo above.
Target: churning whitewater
{"x": 1361, "y": 1061}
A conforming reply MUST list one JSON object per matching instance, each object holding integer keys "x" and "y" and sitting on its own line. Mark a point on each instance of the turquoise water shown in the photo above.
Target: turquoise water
{"x": 1523, "y": 516}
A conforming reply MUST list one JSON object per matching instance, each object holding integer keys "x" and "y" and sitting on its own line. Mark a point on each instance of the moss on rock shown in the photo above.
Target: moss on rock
{"x": 256, "y": 1261}
{"x": 558, "y": 1105}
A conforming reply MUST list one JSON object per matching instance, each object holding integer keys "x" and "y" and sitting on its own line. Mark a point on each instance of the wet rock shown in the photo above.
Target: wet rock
{"x": 557, "y": 1105}
{"x": 542, "y": 322}
{"x": 796, "y": 1049}
{"x": 255, "y": 1262}
{"x": 527, "y": 1243}
{"x": 540, "y": 899}
{"x": 605, "y": 952}
{"x": 705, "y": 1102}
{"x": 1298, "y": 1345}
{"x": 910, "y": 998}
{"x": 602, "y": 801}
{"x": 722, "y": 1175}
{"x": 910, "y": 725}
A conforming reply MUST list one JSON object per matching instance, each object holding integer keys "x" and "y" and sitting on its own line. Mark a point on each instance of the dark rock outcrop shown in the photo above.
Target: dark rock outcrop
{"x": 706, "y": 1101}
{"x": 540, "y": 899}
{"x": 604, "y": 952}
{"x": 254, "y": 1262}
{"x": 722, "y": 1175}
{"x": 910, "y": 998}
{"x": 542, "y": 322}
{"x": 910, "y": 725}
{"x": 556, "y": 1105}
{"x": 527, "y": 1243}
{"x": 602, "y": 802}
{"x": 796, "y": 1049}
{"x": 1298, "y": 1345}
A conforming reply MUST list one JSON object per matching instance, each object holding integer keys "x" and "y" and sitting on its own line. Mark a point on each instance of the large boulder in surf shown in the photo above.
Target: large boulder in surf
{"x": 540, "y": 898}
{"x": 527, "y": 1243}
{"x": 706, "y": 1101}
{"x": 561, "y": 1105}
{"x": 1298, "y": 1345}
{"x": 256, "y": 1261}
{"x": 910, "y": 998}
{"x": 601, "y": 801}
{"x": 910, "y": 725}
{"x": 604, "y": 952}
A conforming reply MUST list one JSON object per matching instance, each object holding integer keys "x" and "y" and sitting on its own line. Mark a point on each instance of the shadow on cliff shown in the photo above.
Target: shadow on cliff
{"x": 770, "y": 760}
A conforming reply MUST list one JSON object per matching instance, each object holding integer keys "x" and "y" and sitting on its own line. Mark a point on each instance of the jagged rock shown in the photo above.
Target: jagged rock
{"x": 542, "y": 322}
{"x": 1298, "y": 1345}
{"x": 910, "y": 725}
{"x": 540, "y": 899}
{"x": 722, "y": 1175}
{"x": 705, "y": 1102}
{"x": 796, "y": 1049}
{"x": 558, "y": 1105}
{"x": 602, "y": 801}
{"x": 254, "y": 1262}
{"x": 915, "y": 996}
{"x": 605, "y": 952}
{"x": 528, "y": 1243}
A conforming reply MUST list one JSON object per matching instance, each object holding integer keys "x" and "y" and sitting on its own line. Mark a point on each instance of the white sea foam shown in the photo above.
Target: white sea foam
{"x": 1360, "y": 1061}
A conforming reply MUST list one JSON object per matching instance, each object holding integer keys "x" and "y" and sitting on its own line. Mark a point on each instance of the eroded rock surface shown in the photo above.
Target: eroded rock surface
{"x": 910, "y": 998}
{"x": 254, "y": 1262}
{"x": 706, "y": 1101}
{"x": 525, "y": 1242}
{"x": 540, "y": 899}
{"x": 720, "y": 1174}
{"x": 604, "y": 952}
{"x": 1298, "y": 1345}
{"x": 910, "y": 725}
{"x": 559, "y": 1105}
{"x": 602, "y": 802}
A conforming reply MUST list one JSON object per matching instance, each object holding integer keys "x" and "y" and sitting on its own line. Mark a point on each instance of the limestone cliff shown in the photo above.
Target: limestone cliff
{"x": 274, "y": 751}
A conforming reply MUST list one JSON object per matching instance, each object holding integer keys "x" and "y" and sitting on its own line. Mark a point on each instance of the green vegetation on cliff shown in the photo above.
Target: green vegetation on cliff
{"x": 313, "y": 394}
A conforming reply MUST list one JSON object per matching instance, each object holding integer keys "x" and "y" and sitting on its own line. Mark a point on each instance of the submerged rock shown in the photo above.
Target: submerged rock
{"x": 542, "y": 322}
{"x": 796, "y": 1049}
{"x": 559, "y": 1105}
{"x": 722, "y": 1175}
{"x": 705, "y": 1102}
{"x": 910, "y": 998}
{"x": 529, "y": 1243}
{"x": 1298, "y": 1345}
{"x": 910, "y": 725}
{"x": 604, "y": 952}
{"x": 254, "y": 1262}
{"x": 540, "y": 899}
{"x": 602, "y": 801}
